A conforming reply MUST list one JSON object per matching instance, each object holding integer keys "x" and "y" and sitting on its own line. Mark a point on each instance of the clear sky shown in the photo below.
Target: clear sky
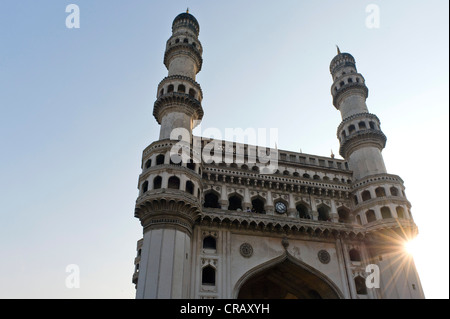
{"x": 76, "y": 113}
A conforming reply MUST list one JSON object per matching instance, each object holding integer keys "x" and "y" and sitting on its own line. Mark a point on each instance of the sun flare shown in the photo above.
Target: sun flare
{"x": 411, "y": 247}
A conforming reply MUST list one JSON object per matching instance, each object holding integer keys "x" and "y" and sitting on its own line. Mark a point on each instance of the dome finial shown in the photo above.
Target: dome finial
{"x": 187, "y": 10}
{"x": 338, "y": 50}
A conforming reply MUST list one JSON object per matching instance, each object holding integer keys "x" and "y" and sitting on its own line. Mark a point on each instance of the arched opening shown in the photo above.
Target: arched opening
{"x": 181, "y": 88}
{"x": 173, "y": 183}
{"x": 287, "y": 280}
{"x": 362, "y": 125}
{"x": 372, "y": 125}
{"x": 303, "y": 211}
{"x": 234, "y": 203}
{"x": 211, "y": 200}
{"x": 344, "y": 216}
{"x": 190, "y": 187}
{"x": 370, "y": 216}
{"x": 394, "y": 191}
{"x": 208, "y": 276}
{"x": 148, "y": 163}
{"x": 185, "y": 40}
{"x": 351, "y": 129}
{"x": 400, "y": 212}
{"x": 316, "y": 177}
{"x": 366, "y": 195}
{"x": 324, "y": 213}
{"x": 354, "y": 255}
{"x": 360, "y": 284}
{"x": 157, "y": 182}
{"x": 306, "y": 175}
{"x": 160, "y": 159}
{"x": 386, "y": 212}
{"x": 209, "y": 242}
{"x": 380, "y": 192}
{"x": 192, "y": 93}
{"x": 170, "y": 88}
{"x": 258, "y": 206}
{"x": 145, "y": 187}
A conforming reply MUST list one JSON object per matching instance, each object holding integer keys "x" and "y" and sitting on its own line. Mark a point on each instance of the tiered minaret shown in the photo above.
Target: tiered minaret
{"x": 170, "y": 189}
{"x": 359, "y": 134}
{"x": 380, "y": 203}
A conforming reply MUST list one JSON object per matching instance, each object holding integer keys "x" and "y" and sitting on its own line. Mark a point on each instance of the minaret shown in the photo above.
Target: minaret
{"x": 179, "y": 95}
{"x": 380, "y": 203}
{"x": 170, "y": 189}
{"x": 359, "y": 133}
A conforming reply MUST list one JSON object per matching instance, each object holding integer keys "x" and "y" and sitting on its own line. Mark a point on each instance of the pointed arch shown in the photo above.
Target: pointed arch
{"x": 325, "y": 287}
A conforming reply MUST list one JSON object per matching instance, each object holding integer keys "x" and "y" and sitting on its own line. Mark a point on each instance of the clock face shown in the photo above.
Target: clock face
{"x": 280, "y": 207}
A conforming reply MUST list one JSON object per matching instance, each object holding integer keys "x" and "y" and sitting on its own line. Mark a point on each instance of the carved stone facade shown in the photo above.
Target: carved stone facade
{"x": 307, "y": 230}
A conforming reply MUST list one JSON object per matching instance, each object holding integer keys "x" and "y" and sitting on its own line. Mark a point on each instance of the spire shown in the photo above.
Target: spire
{"x": 338, "y": 50}
{"x": 187, "y": 10}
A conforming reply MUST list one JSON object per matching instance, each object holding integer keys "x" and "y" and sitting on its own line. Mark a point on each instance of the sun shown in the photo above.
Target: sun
{"x": 411, "y": 247}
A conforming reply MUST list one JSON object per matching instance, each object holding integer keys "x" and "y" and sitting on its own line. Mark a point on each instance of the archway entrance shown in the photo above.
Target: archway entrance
{"x": 286, "y": 280}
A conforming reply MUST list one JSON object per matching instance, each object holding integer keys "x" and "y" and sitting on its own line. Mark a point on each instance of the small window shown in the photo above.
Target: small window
{"x": 177, "y": 41}
{"x": 185, "y": 40}
{"x": 181, "y": 88}
{"x": 145, "y": 187}
{"x": 211, "y": 201}
{"x": 160, "y": 159}
{"x": 148, "y": 163}
{"x": 400, "y": 212}
{"x": 209, "y": 242}
{"x": 350, "y": 80}
{"x": 174, "y": 183}
{"x": 372, "y": 125}
{"x": 157, "y": 182}
{"x": 234, "y": 203}
{"x": 380, "y": 192}
{"x": 351, "y": 129}
{"x": 360, "y": 284}
{"x": 209, "y": 276}
{"x": 170, "y": 88}
{"x": 386, "y": 213}
{"x": 366, "y": 196}
{"x": 370, "y": 216}
{"x": 324, "y": 214}
{"x": 303, "y": 212}
{"x": 190, "y": 187}
{"x": 394, "y": 191}
{"x": 354, "y": 255}
{"x": 192, "y": 93}
{"x": 362, "y": 125}
{"x": 161, "y": 92}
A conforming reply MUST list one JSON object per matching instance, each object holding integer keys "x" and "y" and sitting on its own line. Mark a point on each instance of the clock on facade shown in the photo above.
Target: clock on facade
{"x": 280, "y": 208}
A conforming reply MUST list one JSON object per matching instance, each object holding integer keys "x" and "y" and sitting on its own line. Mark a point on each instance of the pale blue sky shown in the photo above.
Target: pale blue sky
{"x": 77, "y": 106}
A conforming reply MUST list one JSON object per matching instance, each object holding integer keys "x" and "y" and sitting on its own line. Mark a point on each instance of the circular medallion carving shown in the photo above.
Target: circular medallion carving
{"x": 324, "y": 256}
{"x": 246, "y": 250}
